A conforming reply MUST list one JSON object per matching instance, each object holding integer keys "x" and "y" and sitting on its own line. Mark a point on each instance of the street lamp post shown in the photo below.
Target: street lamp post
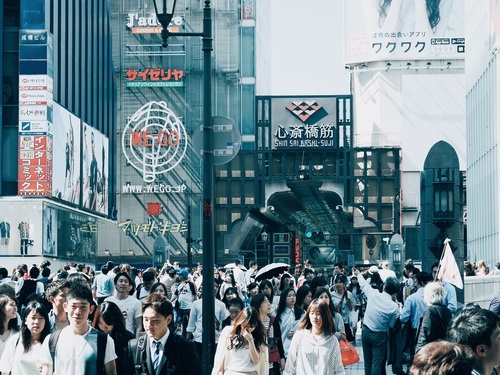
{"x": 208, "y": 305}
{"x": 264, "y": 237}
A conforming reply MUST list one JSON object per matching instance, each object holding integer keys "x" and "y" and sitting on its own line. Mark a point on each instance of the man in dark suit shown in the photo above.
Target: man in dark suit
{"x": 159, "y": 351}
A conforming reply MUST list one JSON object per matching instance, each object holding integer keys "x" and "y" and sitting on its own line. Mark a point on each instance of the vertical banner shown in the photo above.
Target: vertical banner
{"x": 35, "y": 113}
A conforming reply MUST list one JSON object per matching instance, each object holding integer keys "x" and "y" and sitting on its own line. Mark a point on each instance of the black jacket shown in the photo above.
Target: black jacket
{"x": 433, "y": 325}
{"x": 179, "y": 357}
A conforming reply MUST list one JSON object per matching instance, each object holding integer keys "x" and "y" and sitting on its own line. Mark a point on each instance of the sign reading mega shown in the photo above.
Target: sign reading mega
{"x": 404, "y": 30}
{"x": 305, "y": 122}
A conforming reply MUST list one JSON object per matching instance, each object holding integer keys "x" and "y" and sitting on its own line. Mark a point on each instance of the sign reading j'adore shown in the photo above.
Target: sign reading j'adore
{"x": 154, "y": 140}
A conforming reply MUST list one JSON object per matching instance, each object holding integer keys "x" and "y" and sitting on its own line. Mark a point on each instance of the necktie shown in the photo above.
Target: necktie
{"x": 156, "y": 354}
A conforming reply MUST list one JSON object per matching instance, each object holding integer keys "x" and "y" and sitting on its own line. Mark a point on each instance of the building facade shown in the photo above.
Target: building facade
{"x": 482, "y": 131}
{"x": 57, "y": 127}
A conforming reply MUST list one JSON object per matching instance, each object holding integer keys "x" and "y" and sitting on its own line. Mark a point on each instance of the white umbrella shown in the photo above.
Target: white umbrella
{"x": 230, "y": 266}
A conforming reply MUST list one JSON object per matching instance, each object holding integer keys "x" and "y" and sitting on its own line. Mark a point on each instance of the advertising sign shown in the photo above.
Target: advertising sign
{"x": 78, "y": 233}
{"x": 49, "y": 247}
{"x": 66, "y": 164}
{"x": 494, "y": 18}
{"x": 304, "y": 123}
{"x": 35, "y": 165}
{"x": 404, "y": 30}
{"x": 95, "y": 170}
{"x": 149, "y": 25}
{"x": 322, "y": 254}
{"x": 154, "y": 140}
{"x": 155, "y": 77}
{"x": 247, "y": 10}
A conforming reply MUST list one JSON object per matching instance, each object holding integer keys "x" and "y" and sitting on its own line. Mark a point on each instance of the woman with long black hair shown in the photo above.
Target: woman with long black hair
{"x": 22, "y": 351}
{"x": 288, "y": 315}
{"x": 109, "y": 319}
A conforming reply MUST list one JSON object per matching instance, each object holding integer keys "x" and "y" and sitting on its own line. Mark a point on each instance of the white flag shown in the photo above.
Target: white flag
{"x": 448, "y": 270}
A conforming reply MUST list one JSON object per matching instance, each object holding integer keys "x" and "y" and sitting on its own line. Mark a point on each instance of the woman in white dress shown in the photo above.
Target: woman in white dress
{"x": 314, "y": 348}
{"x": 242, "y": 347}
{"x": 8, "y": 319}
{"x": 22, "y": 351}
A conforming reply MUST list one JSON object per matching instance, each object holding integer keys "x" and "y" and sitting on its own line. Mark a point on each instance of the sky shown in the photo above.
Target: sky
{"x": 300, "y": 49}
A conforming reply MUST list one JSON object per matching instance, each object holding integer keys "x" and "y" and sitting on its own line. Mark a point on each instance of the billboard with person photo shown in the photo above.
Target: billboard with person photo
{"x": 66, "y": 163}
{"x": 95, "y": 161}
{"x": 404, "y": 30}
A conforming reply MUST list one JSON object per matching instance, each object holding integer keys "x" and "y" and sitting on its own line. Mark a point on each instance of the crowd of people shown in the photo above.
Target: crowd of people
{"x": 120, "y": 320}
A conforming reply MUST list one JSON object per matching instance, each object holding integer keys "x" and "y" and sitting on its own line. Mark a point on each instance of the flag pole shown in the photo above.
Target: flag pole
{"x": 442, "y": 255}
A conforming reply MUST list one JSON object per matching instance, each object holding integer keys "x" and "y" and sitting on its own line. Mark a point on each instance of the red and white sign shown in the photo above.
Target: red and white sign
{"x": 247, "y": 10}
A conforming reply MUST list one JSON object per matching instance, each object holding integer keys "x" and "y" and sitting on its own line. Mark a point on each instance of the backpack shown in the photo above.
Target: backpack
{"x": 28, "y": 288}
{"x": 102, "y": 339}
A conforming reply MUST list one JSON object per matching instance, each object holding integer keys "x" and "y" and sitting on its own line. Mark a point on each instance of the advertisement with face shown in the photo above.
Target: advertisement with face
{"x": 494, "y": 15}
{"x": 322, "y": 254}
{"x": 49, "y": 231}
{"x": 66, "y": 164}
{"x": 404, "y": 30}
{"x": 95, "y": 161}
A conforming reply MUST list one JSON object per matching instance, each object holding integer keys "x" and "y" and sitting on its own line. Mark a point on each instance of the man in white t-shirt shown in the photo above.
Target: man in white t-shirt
{"x": 239, "y": 275}
{"x": 195, "y": 325}
{"x": 76, "y": 348}
{"x": 129, "y": 305}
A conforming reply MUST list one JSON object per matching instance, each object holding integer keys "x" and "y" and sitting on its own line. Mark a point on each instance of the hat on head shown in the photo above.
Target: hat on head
{"x": 148, "y": 276}
{"x": 184, "y": 273}
{"x": 373, "y": 269}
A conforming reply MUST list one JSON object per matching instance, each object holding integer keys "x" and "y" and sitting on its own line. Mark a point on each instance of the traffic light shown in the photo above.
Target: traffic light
{"x": 315, "y": 235}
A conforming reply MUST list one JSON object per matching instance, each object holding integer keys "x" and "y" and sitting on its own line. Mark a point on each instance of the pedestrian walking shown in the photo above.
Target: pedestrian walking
{"x": 273, "y": 331}
{"x": 8, "y": 319}
{"x": 242, "y": 347}
{"x": 314, "y": 348}
{"x": 436, "y": 317}
{"x": 21, "y": 353}
{"x": 76, "y": 349}
{"x": 380, "y": 315}
{"x": 159, "y": 351}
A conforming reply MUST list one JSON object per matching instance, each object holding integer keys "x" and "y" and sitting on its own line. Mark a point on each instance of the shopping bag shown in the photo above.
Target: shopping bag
{"x": 348, "y": 352}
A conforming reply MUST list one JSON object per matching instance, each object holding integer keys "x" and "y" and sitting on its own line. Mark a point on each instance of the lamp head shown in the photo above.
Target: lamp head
{"x": 164, "y": 14}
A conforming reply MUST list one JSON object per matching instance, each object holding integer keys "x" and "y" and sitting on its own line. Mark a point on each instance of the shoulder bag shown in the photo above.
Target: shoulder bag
{"x": 274, "y": 355}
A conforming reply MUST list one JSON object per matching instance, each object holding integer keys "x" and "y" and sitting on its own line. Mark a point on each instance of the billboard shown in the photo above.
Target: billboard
{"x": 494, "y": 18}
{"x": 66, "y": 165}
{"x": 309, "y": 122}
{"x": 95, "y": 170}
{"x": 50, "y": 221}
{"x": 404, "y": 30}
